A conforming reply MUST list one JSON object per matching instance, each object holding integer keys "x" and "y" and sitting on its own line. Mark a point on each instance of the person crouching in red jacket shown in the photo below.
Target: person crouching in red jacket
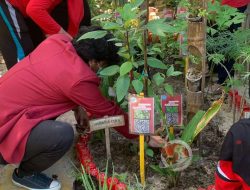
{"x": 58, "y": 76}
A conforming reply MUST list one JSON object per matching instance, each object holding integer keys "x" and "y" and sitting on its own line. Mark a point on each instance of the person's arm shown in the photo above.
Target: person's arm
{"x": 88, "y": 95}
{"x": 38, "y": 11}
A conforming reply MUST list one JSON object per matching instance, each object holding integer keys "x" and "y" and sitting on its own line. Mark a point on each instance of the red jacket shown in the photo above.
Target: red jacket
{"x": 227, "y": 179}
{"x": 50, "y": 81}
{"x": 235, "y": 3}
{"x": 39, "y": 12}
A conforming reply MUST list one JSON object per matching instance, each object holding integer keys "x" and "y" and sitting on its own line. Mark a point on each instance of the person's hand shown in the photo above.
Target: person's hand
{"x": 61, "y": 31}
{"x": 156, "y": 142}
{"x": 81, "y": 118}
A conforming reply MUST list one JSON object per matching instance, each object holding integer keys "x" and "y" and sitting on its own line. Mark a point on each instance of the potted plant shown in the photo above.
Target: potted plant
{"x": 193, "y": 77}
{"x": 195, "y": 10}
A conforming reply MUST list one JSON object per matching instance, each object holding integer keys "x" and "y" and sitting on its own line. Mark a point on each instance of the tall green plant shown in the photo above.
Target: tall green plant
{"x": 128, "y": 25}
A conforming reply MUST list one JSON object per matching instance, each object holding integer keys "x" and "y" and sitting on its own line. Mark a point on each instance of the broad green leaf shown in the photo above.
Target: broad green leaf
{"x": 156, "y": 49}
{"x": 111, "y": 26}
{"x": 189, "y": 130}
{"x": 138, "y": 86}
{"x": 136, "y": 3}
{"x": 140, "y": 43}
{"x": 172, "y": 72}
{"x": 150, "y": 152}
{"x": 125, "y": 68}
{"x": 122, "y": 86}
{"x": 105, "y": 86}
{"x": 110, "y": 71}
{"x": 200, "y": 121}
{"x": 135, "y": 64}
{"x": 113, "y": 39}
{"x": 211, "y": 112}
{"x": 176, "y": 73}
{"x": 124, "y": 55}
{"x": 169, "y": 89}
{"x": 159, "y": 27}
{"x": 159, "y": 78}
{"x": 140, "y": 63}
{"x": 102, "y": 16}
{"x": 127, "y": 12}
{"x": 93, "y": 35}
{"x": 212, "y": 31}
{"x": 156, "y": 63}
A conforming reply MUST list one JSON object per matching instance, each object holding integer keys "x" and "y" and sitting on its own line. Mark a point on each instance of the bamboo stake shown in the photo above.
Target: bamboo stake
{"x": 204, "y": 55}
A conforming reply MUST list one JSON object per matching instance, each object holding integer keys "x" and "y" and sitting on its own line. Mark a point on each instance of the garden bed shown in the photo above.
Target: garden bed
{"x": 125, "y": 158}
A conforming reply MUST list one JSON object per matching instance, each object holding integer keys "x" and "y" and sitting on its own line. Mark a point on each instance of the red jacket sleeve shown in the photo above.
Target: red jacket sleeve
{"x": 38, "y": 11}
{"x": 88, "y": 95}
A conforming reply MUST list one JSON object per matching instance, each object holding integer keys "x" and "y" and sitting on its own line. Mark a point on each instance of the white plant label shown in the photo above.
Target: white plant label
{"x": 106, "y": 122}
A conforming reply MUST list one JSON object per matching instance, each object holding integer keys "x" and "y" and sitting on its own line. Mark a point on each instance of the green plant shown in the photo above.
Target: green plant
{"x": 190, "y": 132}
{"x": 224, "y": 44}
{"x": 195, "y": 8}
{"x": 128, "y": 26}
{"x": 220, "y": 18}
{"x": 172, "y": 176}
{"x": 200, "y": 121}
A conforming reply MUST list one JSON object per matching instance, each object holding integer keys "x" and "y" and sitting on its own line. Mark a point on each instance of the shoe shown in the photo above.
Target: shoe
{"x": 37, "y": 181}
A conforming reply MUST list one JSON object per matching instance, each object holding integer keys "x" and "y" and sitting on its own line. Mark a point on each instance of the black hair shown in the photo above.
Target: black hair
{"x": 98, "y": 49}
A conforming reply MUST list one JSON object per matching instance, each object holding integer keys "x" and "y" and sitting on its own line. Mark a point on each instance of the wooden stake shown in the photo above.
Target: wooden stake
{"x": 107, "y": 138}
{"x": 106, "y": 123}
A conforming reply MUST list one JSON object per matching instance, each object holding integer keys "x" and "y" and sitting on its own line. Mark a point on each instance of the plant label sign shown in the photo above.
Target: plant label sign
{"x": 172, "y": 107}
{"x": 106, "y": 122}
{"x": 141, "y": 115}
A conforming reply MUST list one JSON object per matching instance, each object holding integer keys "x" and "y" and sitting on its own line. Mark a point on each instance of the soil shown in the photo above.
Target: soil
{"x": 200, "y": 174}
{"x": 126, "y": 160}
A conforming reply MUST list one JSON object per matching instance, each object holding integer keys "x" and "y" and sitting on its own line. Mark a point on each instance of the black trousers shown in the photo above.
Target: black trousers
{"x": 222, "y": 73}
{"x": 26, "y": 33}
{"x": 47, "y": 143}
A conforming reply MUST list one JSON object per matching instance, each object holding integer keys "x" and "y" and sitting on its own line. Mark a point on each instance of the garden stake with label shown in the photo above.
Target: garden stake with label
{"x": 106, "y": 123}
{"x": 142, "y": 158}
